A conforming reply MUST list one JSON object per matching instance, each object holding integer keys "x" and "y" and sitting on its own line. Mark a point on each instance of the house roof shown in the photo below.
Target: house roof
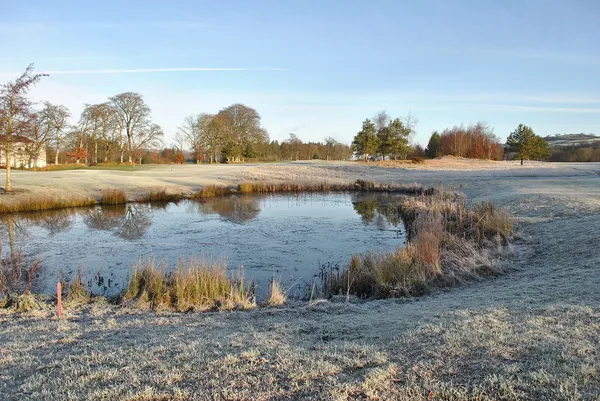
{"x": 16, "y": 138}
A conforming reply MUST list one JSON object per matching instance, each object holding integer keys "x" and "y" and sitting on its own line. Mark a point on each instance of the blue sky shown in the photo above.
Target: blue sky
{"x": 319, "y": 68}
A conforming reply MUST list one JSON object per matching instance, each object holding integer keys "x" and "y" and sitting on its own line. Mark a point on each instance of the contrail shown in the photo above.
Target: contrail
{"x": 145, "y": 70}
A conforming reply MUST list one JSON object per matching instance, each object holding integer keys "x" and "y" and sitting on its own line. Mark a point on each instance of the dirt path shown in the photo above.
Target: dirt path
{"x": 532, "y": 333}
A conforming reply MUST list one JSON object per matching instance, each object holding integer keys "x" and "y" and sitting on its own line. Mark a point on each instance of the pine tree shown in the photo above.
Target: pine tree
{"x": 366, "y": 141}
{"x": 527, "y": 144}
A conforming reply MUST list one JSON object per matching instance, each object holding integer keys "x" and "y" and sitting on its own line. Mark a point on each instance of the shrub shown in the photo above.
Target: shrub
{"x": 417, "y": 160}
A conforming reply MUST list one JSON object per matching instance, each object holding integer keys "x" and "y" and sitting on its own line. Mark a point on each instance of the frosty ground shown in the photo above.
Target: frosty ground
{"x": 532, "y": 333}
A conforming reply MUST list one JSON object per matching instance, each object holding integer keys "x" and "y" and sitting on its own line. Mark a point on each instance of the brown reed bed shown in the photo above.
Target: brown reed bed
{"x": 38, "y": 203}
{"x": 113, "y": 197}
{"x": 448, "y": 244}
{"x": 247, "y": 188}
{"x": 195, "y": 284}
{"x": 212, "y": 191}
{"x": 161, "y": 196}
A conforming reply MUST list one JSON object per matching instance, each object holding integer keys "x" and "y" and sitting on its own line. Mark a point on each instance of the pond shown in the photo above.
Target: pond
{"x": 290, "y": 237}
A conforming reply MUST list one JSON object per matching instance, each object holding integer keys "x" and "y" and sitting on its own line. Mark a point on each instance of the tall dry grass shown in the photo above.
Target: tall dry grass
{"x": 161, "y": 195}
{"x": 448, "y": 244}
{"x": 113, "y": 197}
{"x": 195, "y": 284}
{"x": 16, "y": 280}
{"x": 277, "y": 295}
{"x": 246, "y": 188}
{"x": 43, "y": 202}
{"x": 211, "y": 191}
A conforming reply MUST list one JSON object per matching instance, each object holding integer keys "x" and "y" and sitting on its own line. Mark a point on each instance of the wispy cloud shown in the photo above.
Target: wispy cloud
{"x": 33, "y": 27}
{"x": 586, "y": 110}
{"x": 144, "y": 70}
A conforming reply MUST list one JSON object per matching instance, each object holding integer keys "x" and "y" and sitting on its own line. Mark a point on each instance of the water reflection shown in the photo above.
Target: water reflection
{"x": 379, "y": 210}
{"x": 129, "y": 221}
{"x": 236, "y": 209}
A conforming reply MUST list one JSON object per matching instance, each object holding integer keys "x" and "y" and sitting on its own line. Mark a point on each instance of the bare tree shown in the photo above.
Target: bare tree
{"x": 98, "y": 123}
{"x": 148, "y": 136}
{"x": 55, "y": 118}
{"x": 180, "y": 141}
{"x": 14, "y": 110}
{"x": 381, "y": 120}
{"x": 39, "y": 134}
{"x": 133, "y": 115}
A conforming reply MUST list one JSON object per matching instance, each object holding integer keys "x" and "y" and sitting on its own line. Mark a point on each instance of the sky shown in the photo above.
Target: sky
{"x": 319, "y": 68}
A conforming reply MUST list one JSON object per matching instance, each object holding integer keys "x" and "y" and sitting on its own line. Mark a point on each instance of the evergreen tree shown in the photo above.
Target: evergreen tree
{"x": 527, "y": 144}
{"x": 433, "y": 147}
{"x": 366, "y": 142}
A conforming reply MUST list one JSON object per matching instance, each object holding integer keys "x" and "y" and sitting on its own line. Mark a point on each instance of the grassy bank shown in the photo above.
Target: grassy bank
{"x": 116, "y": 196}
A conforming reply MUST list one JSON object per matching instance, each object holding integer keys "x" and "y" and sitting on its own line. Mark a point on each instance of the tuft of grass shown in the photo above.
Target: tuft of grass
{"x": 113, "y": 197}
{"x": 277, "y": 295}
{"x": 44, "y": 202}
{"x": 161, "y": 196}
{"x": 75, "y": 293}
{"x": 194, "y": 285}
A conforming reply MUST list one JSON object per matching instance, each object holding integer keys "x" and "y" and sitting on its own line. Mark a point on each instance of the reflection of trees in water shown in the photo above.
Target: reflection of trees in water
{"x": 106, "y": 218}
{"x": 127, "y": 221}
{"x": 378, "y": 209}
{"x": 237, "y": 209}
{"x": 55, "y": 221}
{"x": 136, "y": 223}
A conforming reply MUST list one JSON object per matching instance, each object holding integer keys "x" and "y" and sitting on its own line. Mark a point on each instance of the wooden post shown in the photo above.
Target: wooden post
{"x": 58, "y": 296}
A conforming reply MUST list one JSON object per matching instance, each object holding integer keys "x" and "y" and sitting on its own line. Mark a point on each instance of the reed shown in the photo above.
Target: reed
{"x": 246, "y": 188}
{"x": 195, "y": 284}
{"x": 211, "y": 191}
{"x": 161, "y": 196}
{"x": 448, "y": 244}
{"x": 113, "y": 197}
{"x": 43, "y": 202}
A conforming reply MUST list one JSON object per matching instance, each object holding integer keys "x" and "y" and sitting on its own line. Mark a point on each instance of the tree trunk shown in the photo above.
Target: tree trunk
{"x": 56, "y": 155}
{"x": 95, "y": 158}
{"x": 521, "y": 162}
{"x": 130, "y": 144}
{"x": 7, "y": 152}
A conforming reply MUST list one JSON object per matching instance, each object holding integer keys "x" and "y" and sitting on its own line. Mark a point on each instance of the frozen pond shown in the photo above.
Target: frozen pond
{"x": 287, "y": 236}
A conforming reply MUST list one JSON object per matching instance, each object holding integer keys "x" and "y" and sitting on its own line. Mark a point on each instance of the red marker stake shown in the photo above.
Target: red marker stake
{"x": 59, "y": 299}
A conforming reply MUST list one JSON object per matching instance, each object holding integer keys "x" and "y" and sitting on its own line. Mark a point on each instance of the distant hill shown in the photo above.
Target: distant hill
{"x": 571, "y": 140}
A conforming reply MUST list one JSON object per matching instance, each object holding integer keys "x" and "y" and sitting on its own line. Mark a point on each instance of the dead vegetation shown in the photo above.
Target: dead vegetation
{"x": 113, "y": 197}
{"x": 449, "y": 244}
{"x": 43, "y": 202}
{"x": 195, "y": 284}
{"x": 160, "y": 195}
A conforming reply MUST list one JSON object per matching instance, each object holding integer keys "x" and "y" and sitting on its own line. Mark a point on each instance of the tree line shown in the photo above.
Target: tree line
{"x": 235, "y": 134}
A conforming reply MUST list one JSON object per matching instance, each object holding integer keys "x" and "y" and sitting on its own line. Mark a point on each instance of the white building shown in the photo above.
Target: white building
{"x": 23, "y": 154}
